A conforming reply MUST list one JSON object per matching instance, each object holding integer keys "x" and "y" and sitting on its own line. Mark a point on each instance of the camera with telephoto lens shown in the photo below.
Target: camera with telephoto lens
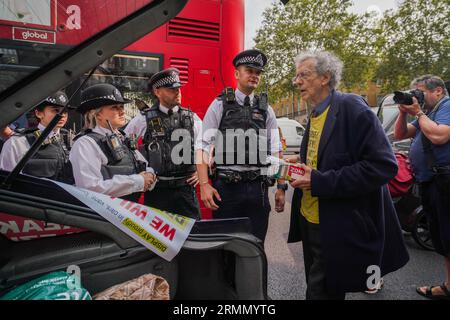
{"x": 406, "y": 97}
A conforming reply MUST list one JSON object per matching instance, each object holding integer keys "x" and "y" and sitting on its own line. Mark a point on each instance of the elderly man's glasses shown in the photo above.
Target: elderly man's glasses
{"x": 304, "y": 75}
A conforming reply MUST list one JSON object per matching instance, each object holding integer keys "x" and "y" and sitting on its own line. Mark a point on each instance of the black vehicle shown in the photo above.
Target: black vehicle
{"x": 220, "y": 259}
{"x": 409, "y": 209}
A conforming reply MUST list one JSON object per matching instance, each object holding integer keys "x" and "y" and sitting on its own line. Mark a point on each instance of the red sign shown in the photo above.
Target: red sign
{"x": 17, "y": 228}
{"x": 32, "y": 35}
{"x": 294, "y": 172}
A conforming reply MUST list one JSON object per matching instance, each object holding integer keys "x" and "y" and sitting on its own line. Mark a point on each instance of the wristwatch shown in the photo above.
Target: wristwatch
{"x": 282, "y": 186}
{"x": 419, "y": 114}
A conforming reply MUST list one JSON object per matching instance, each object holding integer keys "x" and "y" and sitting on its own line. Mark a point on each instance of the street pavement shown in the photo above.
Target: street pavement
{"x": 286, "y": 276}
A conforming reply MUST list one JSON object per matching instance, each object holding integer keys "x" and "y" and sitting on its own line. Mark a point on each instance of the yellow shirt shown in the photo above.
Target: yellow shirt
{"x": 310, "y": 205}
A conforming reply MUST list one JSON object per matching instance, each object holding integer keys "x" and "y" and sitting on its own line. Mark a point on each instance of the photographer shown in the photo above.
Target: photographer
{"x": 430, "y": 160}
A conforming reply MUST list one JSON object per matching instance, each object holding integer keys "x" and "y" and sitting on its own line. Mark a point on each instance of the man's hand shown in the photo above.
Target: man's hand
{"x": 402, "y": 108}
{"x": 149, "y": 179}
{"x": 6, "y": 132}
{"x": 279, "y": 200}
{"x": 292, "y": 159}
{"x": 412, "y": 109}
{"x": 304, "y": 182}
{"x": 193, "y": 180}
{"x": 207, "y": 194}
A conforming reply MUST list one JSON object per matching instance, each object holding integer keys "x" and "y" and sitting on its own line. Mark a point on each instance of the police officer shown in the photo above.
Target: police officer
{"x": 240, "y": 188}
{"x": 169, "y": 133}
{"x": 103, "y": 159}
{"x": 52, "y": 159}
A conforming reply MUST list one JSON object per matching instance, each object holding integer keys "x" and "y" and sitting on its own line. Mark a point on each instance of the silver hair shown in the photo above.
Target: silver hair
{"x": 325, "y": 62}
{"x": 430, "y": 82}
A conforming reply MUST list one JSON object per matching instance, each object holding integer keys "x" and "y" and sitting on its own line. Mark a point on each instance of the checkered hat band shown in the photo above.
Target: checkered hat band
{"x": 110, "y": 97}
{"x": 251, "y": 59}
{"x": 167, "y": 80}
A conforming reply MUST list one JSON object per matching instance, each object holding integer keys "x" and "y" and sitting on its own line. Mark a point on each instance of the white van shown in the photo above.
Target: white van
{"x": 293, "y": 133}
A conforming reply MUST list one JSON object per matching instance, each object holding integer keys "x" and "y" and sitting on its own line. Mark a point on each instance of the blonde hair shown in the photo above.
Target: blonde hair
{"x": 90, "y": 120}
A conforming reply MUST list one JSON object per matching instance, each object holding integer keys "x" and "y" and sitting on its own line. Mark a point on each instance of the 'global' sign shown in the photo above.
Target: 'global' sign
{"x": 32, "y": 35}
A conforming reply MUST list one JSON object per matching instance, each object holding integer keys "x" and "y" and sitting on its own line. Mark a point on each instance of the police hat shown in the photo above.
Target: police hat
{"x": 167, "y": 78}
{"x": 99, "y": 95}
{"x": 252, "y": 58}
{"x": 58, "y": 99}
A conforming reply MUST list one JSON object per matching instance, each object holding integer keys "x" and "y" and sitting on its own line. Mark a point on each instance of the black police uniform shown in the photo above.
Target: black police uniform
{"x": 172, "y": 193}
{"x": 244, "y": 193}
{"x": 121, "y": 158}
{"x": 52, "y": 159}
{"x": 118, "y": 149}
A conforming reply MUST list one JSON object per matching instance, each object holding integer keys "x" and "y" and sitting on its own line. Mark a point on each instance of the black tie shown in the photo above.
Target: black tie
{"x": 170, "y": 112}
{"x": 247, "y": 101}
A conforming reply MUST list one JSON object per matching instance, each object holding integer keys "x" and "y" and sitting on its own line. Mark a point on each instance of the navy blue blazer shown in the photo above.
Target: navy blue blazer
{"x": 358, "y": 223}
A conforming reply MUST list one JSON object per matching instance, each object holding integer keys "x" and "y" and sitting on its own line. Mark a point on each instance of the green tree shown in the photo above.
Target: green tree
{"x": 316, "y": 25}
{"x": 416, "y": 41}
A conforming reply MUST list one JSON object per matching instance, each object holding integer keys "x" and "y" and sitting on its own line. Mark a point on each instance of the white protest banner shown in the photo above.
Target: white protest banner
{"x": 162, "y": 232}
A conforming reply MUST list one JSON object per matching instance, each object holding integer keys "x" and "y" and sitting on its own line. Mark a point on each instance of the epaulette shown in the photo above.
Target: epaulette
{"x": 144, "y": 111}
{"x": 152, "y": 111}
{"x": 83, "y": 132}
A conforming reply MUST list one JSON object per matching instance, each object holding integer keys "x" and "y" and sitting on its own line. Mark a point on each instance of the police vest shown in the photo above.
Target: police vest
{"x": 242, "y": 137}
{"x": 121, "y": 157}
{"x": 51, "y": 160}
{"x": 169, "y": 142}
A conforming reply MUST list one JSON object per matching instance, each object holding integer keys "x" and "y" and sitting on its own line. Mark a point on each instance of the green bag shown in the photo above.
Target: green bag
{"x": 52, "y": 286}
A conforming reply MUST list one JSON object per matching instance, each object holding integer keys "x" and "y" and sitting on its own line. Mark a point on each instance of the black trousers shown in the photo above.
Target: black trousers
{"x": 315, "y": 264}
{"x": 437, "y": 207}
{"x": 182, "y": 200}
{"x": 244, "y": 199}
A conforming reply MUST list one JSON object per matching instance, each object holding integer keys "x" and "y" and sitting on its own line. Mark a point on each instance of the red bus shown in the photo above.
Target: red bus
{"x": 201, "y": 42}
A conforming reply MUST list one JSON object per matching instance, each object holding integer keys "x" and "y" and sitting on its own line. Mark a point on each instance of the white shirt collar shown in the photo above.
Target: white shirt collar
{"x": 51, "y": 134}
{"x": 240, "y": 96}
{"x": 166, "y": 110}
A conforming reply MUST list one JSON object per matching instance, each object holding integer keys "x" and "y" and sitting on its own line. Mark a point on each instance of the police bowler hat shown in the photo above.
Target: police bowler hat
{"x": 58, "y": 99}
{"x": 252, "y": 58}
{"x": 99, "y": 95}
{"x": 167, "y": 78}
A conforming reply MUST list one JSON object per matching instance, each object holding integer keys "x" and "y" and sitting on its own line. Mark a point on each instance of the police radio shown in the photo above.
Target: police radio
{"x": 263, "y": 101}
{"x": 187, "y": 119}
{"x": 115, "y": 144}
